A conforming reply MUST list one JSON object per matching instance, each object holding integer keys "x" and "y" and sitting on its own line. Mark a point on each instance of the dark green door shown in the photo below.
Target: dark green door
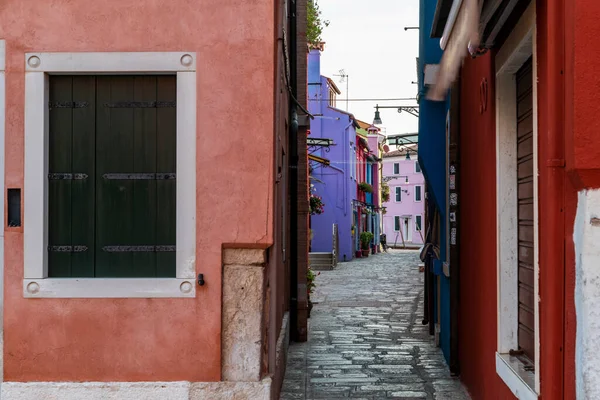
{"x": 112, "y": 170}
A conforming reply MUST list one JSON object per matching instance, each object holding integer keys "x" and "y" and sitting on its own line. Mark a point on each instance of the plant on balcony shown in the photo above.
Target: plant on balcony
{"x": 365, "y": 187}
{"x": 316, "y": 205}
{"x": 385, "y": 192}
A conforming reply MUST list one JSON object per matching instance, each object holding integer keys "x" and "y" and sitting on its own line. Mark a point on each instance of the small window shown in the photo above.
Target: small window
{"x": 417, "y": 193}
{"x": 417, "y": 167}
{"x": 396, "y": 168}
{"x": 398, "y": 194}
{"x": 418, "y": 222}
{"x": 397, "y": 223}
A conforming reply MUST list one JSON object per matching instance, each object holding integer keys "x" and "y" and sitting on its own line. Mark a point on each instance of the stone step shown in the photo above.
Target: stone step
{"x": 320, "y": 255}
{"x": 321, "y": 267}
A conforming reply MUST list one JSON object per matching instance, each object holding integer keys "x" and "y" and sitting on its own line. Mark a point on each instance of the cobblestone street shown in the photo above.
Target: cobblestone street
{"x": 366, "y": 339}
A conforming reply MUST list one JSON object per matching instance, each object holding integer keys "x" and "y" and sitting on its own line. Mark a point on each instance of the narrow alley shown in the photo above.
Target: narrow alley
{"x": 366, "y": 339}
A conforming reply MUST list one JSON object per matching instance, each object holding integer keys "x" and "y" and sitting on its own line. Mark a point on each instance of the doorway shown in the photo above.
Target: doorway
{"x": 406, "y": 229}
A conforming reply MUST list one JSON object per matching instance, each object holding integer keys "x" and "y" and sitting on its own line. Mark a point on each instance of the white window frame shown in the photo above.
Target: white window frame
{"x": 519, "y": 46}
{"x": 396, "y": 188}
{"x": 420, "y": 194}
{"x": 394, "y": 168}
{"x": 417, "y": 167}
{"x": 399, "y": 223}
{"x": 38, "y": 67}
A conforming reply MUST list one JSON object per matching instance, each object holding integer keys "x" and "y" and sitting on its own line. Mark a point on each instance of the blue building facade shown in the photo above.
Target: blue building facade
{"x": 433, "y": 161}
{"x": 336, "y": 183}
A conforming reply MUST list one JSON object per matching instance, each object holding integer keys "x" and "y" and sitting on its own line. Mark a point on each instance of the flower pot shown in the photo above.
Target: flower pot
{"x": 365, "y": 252}
{"x": 358, "y": 254}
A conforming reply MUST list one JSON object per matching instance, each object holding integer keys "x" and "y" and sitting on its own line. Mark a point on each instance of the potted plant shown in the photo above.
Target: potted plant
{"x": 365, "y": 243}
{"x": 365, "y": 187}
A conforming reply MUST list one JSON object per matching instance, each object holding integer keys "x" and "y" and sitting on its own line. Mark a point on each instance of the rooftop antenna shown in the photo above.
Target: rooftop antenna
{"x": 344, "y": 78}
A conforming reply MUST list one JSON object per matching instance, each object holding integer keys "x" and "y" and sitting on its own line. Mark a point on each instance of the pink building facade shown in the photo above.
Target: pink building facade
{"x": 404, "y": 216}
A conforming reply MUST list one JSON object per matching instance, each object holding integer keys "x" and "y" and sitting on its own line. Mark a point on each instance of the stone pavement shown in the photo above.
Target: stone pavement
{"x": 366, "y": 340}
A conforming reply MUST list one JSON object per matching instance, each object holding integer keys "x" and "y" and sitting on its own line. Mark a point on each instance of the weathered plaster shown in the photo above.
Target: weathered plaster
{"x": 244, "y": 256}
{"x": 138, "y": 390}
{"x": 243, "y": 302}
{"x": 586, "y": 236}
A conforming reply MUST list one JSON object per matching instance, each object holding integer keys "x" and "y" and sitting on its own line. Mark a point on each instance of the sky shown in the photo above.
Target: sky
{"x": 368, "y": 41}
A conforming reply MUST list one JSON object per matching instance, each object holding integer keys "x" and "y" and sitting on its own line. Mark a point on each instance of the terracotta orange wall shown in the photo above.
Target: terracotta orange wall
{"x": 149, "y": 339}
{"x": 478, "y": 290}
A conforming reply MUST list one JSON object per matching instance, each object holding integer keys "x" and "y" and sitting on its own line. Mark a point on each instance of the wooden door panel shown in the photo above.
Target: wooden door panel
{"x": 60, "y": 162}
{"x": 166, "y": 162}
{"x": 84, "y": 190}
{"x": 143, "y": 196}
{"x": 115, "y": 148}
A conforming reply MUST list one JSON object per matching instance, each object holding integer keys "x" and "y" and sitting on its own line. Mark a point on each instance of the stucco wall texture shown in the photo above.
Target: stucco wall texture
{"x": 478, "y": 281}
{"x": 587, "y": 252}
{"x": 149, "y": 339}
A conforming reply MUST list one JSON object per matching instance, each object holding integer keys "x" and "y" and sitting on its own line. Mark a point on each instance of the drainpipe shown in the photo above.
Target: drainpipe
{"x": 293, "y": 170}
{"x": 552, "y": 223}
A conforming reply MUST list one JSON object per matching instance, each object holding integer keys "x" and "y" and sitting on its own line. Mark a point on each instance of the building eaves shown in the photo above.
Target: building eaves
{"x": 332, "y": 84}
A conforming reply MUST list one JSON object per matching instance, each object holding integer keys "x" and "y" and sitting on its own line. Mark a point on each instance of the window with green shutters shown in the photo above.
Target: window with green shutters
{"x": 397, "y": 223}
{"x": 418, "y": 193}
{"x": 112, "y": 176}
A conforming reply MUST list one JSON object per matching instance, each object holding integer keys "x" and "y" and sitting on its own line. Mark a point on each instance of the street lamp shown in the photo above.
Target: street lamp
{"x": 413, "y": 110}
{"x": 377, "y": 119}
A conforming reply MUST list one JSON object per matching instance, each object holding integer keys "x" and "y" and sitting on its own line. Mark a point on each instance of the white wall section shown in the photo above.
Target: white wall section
{"x": 586, "y": 236}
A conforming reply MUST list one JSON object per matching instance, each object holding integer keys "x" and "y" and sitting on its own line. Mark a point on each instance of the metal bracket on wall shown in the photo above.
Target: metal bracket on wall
{"x": 141, "y": 176}
{"x": 67, "y": 249}
{"x": 68, "y": 104}
{"x": 67, "y": 176}
{"x": 126, "y": 249}
{"x": 140, "y": 104}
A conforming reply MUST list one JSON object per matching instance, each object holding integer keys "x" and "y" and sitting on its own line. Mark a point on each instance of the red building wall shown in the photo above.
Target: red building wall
{"x": 478, "y": 283}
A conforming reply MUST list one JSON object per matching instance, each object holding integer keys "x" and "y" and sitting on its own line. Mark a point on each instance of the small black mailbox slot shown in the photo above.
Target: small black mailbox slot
{"x": 14, "y": 207}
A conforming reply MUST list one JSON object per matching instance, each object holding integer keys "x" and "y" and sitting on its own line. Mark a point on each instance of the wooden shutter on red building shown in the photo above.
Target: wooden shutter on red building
{"x": 525, "y": 182}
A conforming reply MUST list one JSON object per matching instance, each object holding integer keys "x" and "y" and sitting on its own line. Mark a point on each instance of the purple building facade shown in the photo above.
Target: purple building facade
{"x": 336, "y": 183}
{"x": 404, "y": 219}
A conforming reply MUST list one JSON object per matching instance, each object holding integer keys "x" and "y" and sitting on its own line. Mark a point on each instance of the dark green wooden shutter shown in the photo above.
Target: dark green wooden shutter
{"x": 120, "y": 132}
{"x": 71, "y": 176}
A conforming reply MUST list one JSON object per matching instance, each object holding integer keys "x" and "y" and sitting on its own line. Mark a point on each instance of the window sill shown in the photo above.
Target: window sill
{"x": 109, "y": 288}
{"x": 519, "y": 381}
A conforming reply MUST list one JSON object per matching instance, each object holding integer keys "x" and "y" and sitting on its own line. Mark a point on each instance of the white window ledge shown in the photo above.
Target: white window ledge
{"x": 513, "y": 373}
{"x": 108, "y": 288}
